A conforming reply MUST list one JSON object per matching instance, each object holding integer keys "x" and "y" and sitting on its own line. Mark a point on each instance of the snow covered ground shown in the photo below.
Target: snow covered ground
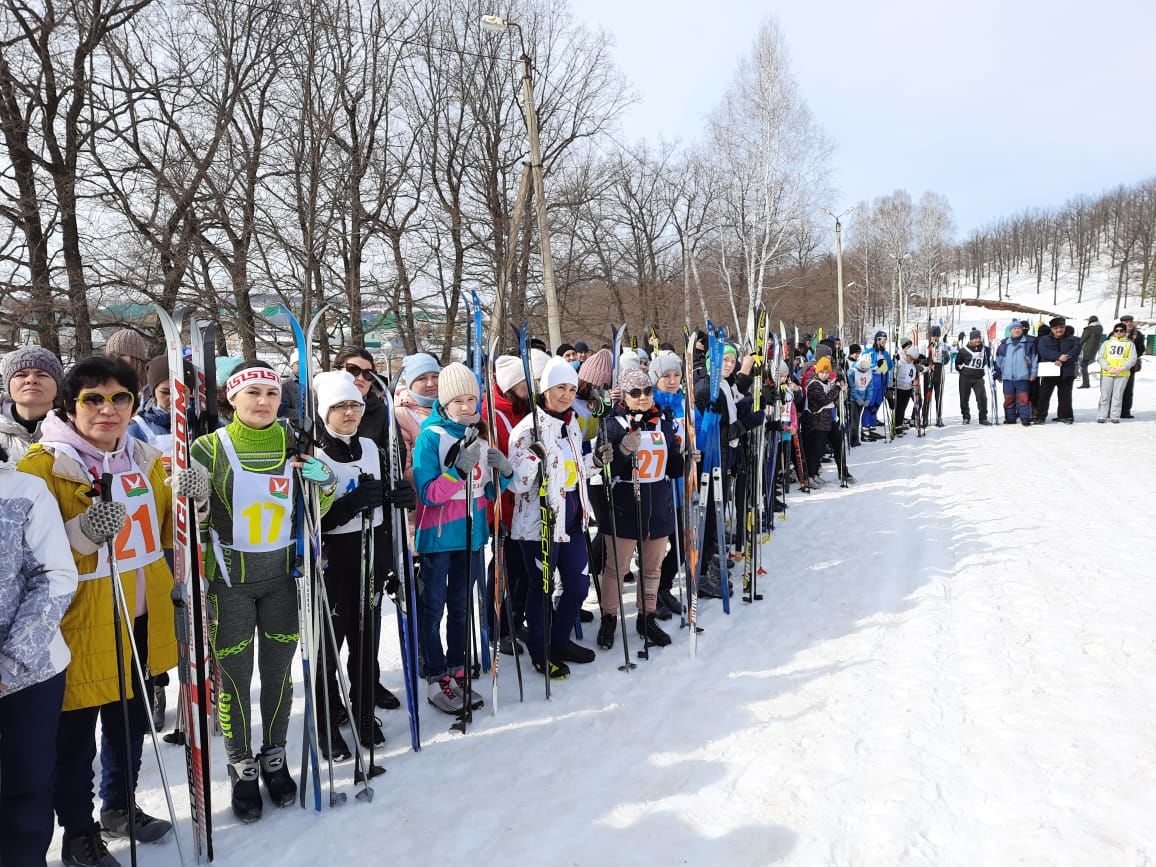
{"x": 954, "y": 665}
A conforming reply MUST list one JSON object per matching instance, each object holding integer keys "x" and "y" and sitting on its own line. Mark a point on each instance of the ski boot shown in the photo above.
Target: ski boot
{"x": 280, "y": 786}
{"x": 247, "y": 805}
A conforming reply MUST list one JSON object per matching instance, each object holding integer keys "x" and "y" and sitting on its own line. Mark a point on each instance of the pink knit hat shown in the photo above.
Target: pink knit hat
{"x": 596, "y": 369}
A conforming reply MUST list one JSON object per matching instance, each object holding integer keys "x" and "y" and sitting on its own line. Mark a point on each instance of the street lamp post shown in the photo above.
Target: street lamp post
{"x": 839, "y": 259}
{"x": 902, "y": 302}
{"x": 496, "y": 24}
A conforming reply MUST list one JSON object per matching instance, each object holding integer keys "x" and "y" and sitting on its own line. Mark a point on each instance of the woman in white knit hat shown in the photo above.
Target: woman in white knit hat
{"x": 452, "y": 467}
{"x": 559, "y": 455}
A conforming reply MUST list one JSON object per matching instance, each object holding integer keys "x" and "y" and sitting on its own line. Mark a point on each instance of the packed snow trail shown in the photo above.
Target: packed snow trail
{"x": 953, "y": 665}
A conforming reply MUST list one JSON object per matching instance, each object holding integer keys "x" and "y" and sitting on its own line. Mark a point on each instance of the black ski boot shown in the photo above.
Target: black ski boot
{"x": 606, "y": 630}
{"x": 334, "y": 747}
{"x": 667, "y": 598}
{"x": 385, "y": 699}
{"x": 651, "y": 631}
{"x": 247, "y": 804}
{"x": 280, "y": 786}
{"x": 572, "y": 652}
{"x": 558, "y": 669}
{"x": 369, "y": 731}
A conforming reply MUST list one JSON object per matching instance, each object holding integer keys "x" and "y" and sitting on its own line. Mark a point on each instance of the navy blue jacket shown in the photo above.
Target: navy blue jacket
{"x": 1051, "y": 349}
{"x": 656, "y": 499}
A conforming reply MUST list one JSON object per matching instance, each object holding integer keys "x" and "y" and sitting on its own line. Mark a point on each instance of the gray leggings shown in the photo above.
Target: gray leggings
{"x": 270, "y": 609}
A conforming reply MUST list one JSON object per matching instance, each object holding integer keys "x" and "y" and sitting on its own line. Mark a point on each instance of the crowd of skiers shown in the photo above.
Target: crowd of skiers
{"x": 584, "y": 463}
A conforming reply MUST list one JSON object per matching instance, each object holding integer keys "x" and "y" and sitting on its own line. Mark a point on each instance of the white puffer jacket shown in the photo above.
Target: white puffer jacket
{"x": 37, "y": 581}
{"x": 526, "y": 523}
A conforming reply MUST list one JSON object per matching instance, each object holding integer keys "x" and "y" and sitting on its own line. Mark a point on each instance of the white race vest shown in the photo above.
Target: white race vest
{"x": 975, "y": 362}
{"x": 262, "y": 507}
{"x": 139, "y": 541}
{"x": 347, "y": 481}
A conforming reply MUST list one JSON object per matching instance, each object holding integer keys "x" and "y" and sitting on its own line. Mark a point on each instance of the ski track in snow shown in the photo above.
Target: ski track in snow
{"x": 953, "y": 665}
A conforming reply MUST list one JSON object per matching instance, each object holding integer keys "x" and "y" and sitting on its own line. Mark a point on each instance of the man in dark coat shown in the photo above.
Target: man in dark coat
{"x": 1090, "y": 339}
{"x": 1133, "y": 333}
{"x": 1059, "y": 348}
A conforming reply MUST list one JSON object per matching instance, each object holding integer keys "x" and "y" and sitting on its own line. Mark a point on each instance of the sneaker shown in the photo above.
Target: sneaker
{"x": 1117, "y": 420}
{"x": 160, "y": 704}
{"x": 1100, "y": 420}
{"x": 86, "y": 850}
{"x": 651, "y": 631}
{"x": 247, "y": 804}
{"x": 443, "y": 695}
{"x": 275, "y": 775}
{"x": 149, "y": 829}
{"x": 460, "y": 682}
{"x": 558, "y": 670}
{"x": 369, "y": 729}
{"x": 334, "y": 747}
{"x": 385, "y": 699}
{"x": 572, "y": 652}
{"x": 606, "y": 629}
{"x": 667, "y": 598}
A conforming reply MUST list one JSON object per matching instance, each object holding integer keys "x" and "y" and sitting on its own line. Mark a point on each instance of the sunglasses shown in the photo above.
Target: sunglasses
{"x": 1119, "y": 330}
{"x": 95, "y": 400}
{"x": 641, "y": 392}
{"x": 355, "y": 371}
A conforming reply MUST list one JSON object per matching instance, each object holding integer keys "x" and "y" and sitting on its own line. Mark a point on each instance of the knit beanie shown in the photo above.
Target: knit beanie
{"x": 418, "y": 365}
{"x": 634, "y": 378}
{"x": 226, "y": 364}
{"x": 643, "y": 355}
{"x": 823, "y": 351}
{"x": 563, "y": 348}
{"x": 538, "y": 360}
{"x": 456, "y": 380}
{"x": 628, "y": 360}
{"x": 157, "y": 371}
{"x": 823, "y": 365}
{"x": 332, "y": 387}
{"x": 26, "y": 358}
{"x": 558, "y": 372}
{"x": 975, "y": 334}
{"x": 596, "y": 369}
{"x": 664, "y": 362}
{"x": 855, "y": 349}
{"x": 508, "y": 372}
{"x": 912, "y": 352}
{"x": 580, "y": 346}
{"x": 864, "y": 362}
{"x": 127, "y": 342}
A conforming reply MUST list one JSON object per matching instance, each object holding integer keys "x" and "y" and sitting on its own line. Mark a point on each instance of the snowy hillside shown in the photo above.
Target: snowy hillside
{"x": 953, "y": 665}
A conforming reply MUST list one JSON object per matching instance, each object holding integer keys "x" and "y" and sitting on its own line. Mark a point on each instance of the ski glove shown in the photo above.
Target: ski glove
{"x": 603, "y": 455}
{"x": 101, "y": 521}
{"x": 629, "y": 444}
{"x": 317, "y": 471}
{"x": 495, "y": 460}
{"x": 366, "y": 496}
{"x": 402, "y": 495}
{"x": 192, "y": 482}
{"x": 468, "y": 457}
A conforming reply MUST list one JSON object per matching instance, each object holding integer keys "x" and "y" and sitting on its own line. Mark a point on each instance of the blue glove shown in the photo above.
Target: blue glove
{"x": 317, "y": 472}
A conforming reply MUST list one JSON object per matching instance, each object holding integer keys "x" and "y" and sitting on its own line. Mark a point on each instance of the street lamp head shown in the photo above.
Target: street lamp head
{"x": 494, "y": 23}
{"x": 849, "y": 285}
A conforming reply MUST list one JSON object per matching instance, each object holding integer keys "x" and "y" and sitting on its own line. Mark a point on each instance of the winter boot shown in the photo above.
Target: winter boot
{"x": 606, "y": 630}
{"x": 280, "y": 786}
{"x": 507, "y": 646}
{"x": 585, "y": 616}
{"x": 385, "y": 699}
{"x": 247, "y": 804}
{"x": 651, "y": 631}
{"x": 460, "y": 681}
{"x": 149, "y": 829}
{"x": 86, "y": 850}
{"x": 443, "y": 695}
{"x": 369, "y": 731}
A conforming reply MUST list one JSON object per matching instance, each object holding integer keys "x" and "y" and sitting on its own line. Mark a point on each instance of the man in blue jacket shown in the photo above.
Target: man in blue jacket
{"x": 1016, "y": 365}
{"x": 1059, "y": 347}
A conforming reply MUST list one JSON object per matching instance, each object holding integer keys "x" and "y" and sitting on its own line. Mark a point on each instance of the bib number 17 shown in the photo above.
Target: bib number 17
{"x": 265, "y": 521}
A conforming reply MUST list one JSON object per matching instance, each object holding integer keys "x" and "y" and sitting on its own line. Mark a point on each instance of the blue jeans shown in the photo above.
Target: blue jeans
{"x": 569, "y": 563}
{"x": 444, "y": 589}
{"x": 1016, "y": 400}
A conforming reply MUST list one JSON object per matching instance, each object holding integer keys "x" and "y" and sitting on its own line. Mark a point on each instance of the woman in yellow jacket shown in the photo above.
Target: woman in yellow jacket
{"x": 80, "y": 443}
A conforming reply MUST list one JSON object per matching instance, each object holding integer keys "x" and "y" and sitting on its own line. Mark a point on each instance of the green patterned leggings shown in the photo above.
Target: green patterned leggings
{"x": 268, "y": 608}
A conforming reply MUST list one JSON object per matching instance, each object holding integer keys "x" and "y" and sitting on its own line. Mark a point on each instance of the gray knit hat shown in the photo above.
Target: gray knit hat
{"x": 28, "y": 357}
{"x": 128, "y": 342}
{"x": 663, "y": 363}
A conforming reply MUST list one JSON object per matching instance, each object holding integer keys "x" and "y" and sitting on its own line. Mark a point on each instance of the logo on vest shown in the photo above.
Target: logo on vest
{"x": 279, "y": 488}
{"x": 134, "y": 484}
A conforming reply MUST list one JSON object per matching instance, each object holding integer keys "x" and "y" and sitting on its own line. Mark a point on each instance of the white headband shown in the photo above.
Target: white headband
{"x": 251, "y": 376}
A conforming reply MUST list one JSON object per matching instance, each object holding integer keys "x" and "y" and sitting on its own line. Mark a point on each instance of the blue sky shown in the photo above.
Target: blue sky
{"x": 997, "y": 105}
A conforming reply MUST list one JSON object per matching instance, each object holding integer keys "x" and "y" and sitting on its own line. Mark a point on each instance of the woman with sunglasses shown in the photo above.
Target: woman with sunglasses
{"x": 246, "y": 473}
{"x": 666, "y": 375}
{"x": 1117, "y": 358}
{"x": 83, "y": 444}
{"x": 646, "y": 457}
{"x": 359, "y": 364}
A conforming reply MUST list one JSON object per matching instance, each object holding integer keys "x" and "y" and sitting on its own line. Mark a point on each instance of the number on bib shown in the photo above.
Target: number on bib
{"x": 257, "y": 528}
{"x": 140, "y": 520}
